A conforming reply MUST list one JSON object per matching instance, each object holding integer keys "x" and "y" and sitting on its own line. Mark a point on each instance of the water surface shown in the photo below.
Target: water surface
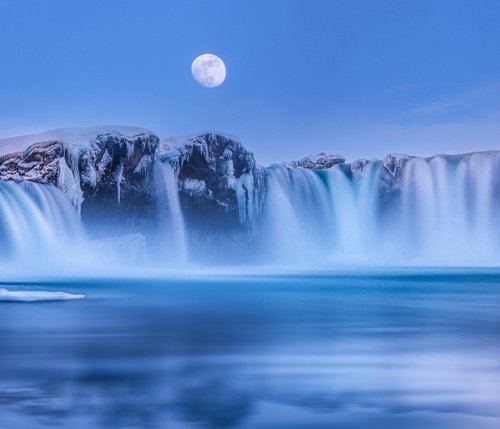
{"x": 412, "y": 349}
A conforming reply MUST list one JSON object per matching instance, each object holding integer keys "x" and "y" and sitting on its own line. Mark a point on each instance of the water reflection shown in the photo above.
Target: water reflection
{"x": 291, "y": 352}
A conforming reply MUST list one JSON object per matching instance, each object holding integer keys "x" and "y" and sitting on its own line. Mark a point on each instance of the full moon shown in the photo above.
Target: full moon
{"x": 208, "y": 70}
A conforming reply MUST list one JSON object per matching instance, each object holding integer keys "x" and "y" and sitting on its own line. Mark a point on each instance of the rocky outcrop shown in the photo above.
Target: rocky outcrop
{"x": 104, "y": 177}
{"x": 394, "y": 163}
{"x": 320, "y": 161}
{"x": 217, "y": 177}
{"x": 116, "y": 181}
{"x": 109, "y": 164}
{"x": 39, "y": 163}
{"x": 358, "y": 166}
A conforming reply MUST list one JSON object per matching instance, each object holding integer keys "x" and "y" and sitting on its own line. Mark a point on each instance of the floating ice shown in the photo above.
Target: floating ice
{"x": 36, "y": 295}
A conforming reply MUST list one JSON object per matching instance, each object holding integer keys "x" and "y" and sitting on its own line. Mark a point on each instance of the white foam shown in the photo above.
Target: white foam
{"x": 36, "y": 295}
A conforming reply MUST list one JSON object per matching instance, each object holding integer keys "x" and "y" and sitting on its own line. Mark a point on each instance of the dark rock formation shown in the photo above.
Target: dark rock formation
{"x": 115, "y": 177}
{"x": 217, "y": 178}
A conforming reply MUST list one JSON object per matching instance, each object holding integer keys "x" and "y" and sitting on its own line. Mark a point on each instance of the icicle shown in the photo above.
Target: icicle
{"x": 119, "y": 180}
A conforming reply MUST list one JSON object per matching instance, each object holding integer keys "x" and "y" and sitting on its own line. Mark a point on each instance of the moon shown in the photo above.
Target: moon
{"x": 209, "y": 70}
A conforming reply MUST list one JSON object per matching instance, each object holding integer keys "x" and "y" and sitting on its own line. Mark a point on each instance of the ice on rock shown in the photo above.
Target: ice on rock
{"x": 358, "y": 166}
{"x": 394, "y": 163}
{"x": 245, "y": 190}
{"x": 70, "y": 185}
{"x": 193, "y": 187}
{"x": 143, "y": 164}
{"x": 76, "y": 138}
{"x": 211, "y": 167}
{"x": 75, "y": 157}
{"x": 320, "y": 161}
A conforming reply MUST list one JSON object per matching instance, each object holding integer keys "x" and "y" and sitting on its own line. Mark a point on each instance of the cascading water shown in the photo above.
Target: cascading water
{"x": 449, "y": 209}
{"x": 171, "y": 244}
{"x": 441, "y": 211}
{"x": 295, "y": 226}
{"x": 354, "y": 201}
{"x": 37, "y": 223}
{"x": 436, "y": 211}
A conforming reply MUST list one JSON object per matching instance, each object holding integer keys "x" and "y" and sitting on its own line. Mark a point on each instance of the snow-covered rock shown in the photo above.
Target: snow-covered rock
{"x": 358, "y": 166}
{"x": 193, "y": 187}
{"x": 320, "y": 161}
{"x": 217, "y": 176}
{"x": 75, "y": 138}
{"x": 394, "y": 163}
{"x": 81, "y": 162}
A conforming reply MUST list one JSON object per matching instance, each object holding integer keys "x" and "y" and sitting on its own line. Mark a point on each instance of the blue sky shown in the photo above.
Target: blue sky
{"x": 357, "y": 77}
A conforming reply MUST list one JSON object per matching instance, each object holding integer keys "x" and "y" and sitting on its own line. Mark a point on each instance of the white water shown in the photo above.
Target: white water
{"x": 445, "y": 213}
{"x": 449, "y": 209}
{"x": 171, "y": 244}
{"x": 37, "y": 223}
{"x": 40, "y": 230}
{"x": 295, "y": 226}
{"x": 354, "y": 212}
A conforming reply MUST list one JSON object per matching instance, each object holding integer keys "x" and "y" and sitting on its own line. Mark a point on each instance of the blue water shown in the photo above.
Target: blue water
{"x": 407, "y": 349}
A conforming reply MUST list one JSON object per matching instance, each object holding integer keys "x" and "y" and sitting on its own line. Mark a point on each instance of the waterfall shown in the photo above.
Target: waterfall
{"x": 37, "y": 223}
{"x": 171, "y": 244}
{"x": 440, "y": 211}
{"x": 354, "y": 200}
{"x": 449, "y": 209}
{"x": 295, "y": 226}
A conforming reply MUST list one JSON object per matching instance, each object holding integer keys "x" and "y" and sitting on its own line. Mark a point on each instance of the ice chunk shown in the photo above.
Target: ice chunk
{"x": 36, "y": 295}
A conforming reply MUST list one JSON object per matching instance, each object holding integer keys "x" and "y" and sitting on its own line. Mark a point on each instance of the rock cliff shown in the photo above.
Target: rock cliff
{"x": 109, "y": 176}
